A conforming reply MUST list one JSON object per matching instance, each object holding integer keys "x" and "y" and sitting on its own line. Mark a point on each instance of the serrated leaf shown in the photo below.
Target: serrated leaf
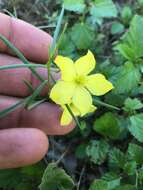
{"x": 130, "y": 167}
{"x": 127, "y": 79}
{"x": 99, "y": 185}
{"x": 107, "y": 125}
{"x": 82, "y": 35}
{"x": 132, "y": 104}
{"x": 117, "y": 159}
{"x": 74, "y": 5}
{"x": 136, "y": 152}
{"x": 69, "y": 48}
{"x": 126, "y": 187}
{"x": 113, "y": 180}
{"x": 97, "y": 151}
{"x": 103, "y": 9}
{"x": 132, "y": 45}
{"x": 55, "y": 178}
{"x": 136, "y": 126}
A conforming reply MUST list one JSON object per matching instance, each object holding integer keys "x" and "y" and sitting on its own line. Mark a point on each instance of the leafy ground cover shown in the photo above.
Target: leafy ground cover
{"x": 106, "y": 153}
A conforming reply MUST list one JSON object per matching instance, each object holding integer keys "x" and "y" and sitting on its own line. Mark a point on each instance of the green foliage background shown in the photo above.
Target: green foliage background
{"x": 107, "y": 152}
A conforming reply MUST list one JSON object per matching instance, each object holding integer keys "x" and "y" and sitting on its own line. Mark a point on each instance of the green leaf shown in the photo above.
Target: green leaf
{"x": 107, "y": 125}
{"x": 9, "y": 178}
{"x": 130, "y": 167}
{"x": 136, "y": 152}
{"x": 69, "y": 48}
{"x": 127, "y": 79}
{"x": 126, "y": 187}
{"x": 136, "y": 126}
{"x": 126, "y": 14}
{"x": 117, "y": 28}
{"x": 132, "y": 45}
{"x": 97, "y": 151}
{"x": 117, "y": 159}
{"x": 74, "y": 5}
{"x": 132, "y": 104}
{"x": 55, "y": 178}
{"x": 113, "y": 180}
{"x": 82, "y": 36}
{"x": 99, "y": 185}
{"x": 81, "y": 151}
{"x": 103, "y": 9}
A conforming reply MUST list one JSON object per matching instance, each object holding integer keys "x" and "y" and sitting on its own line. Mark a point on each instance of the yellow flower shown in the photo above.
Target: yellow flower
{"x": 67, "y": 117}
{"x": 76, "y": 85}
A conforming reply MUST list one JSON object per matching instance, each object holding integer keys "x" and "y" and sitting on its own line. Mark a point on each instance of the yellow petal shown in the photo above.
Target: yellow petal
{"x": 66, "y": 118}
{"x": 62, "y": 92}
{"x": 98, "y": 85}
{"x": 82, "y": 100}
{"x": 67, "y": 68}
{"x": 85, "y": 64}
{"x": 92, "y": 108}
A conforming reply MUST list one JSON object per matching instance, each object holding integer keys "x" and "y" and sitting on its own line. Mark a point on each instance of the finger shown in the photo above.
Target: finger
{"x": 46, "y": 117}
{"x": 20, "y": 147}
{"x": 31, "y": 41}
{"x": 11, "y": 81}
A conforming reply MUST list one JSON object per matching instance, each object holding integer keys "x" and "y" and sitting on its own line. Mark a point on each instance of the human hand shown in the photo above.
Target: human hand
{"x": 23, "y": 133}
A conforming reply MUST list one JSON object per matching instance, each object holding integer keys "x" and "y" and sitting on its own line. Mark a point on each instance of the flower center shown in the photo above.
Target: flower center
{"x": 80, "y": 80}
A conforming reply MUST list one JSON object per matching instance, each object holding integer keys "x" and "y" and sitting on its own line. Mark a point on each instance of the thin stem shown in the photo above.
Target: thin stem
{"x": 53, "y": 47}
{"x": 105, "y": 104}
{"x": 73, "y": 116}
{"x": 15, "y": 66}
{"x": 80, "y": 178}
{"x": 20, "y": 56}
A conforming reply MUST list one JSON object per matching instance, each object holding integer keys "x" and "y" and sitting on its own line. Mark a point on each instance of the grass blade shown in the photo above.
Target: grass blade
{"x": 57, "y": 30}
{"x": 12, "y": 108}
{"x": 36, "y": 93}
{"x": 36, "y": 103}
{"x": 20, "y": 56}
{"x": 15, "y": 66}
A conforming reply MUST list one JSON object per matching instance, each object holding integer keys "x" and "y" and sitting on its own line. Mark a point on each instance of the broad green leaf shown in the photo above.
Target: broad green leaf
{"x": 117, "y": 158}
{"x": 9, "y": 178}
{"x": 126, "y": 14}
{"x": 82, "y": 36}
{"x": 69, "y": 48}
{"x": 103, "y": 9}
{"x": 132, "y": 104}
{"x": 136, "y": 126}
{"x": 107, "y": 125}
{"x": 130, "y": 167}
{"x": 97, "y": 151}
{"x": 81, "y": 151}
{"x": 55, "y": 178}
{"x": 136, "y": 152}
{"x": 131, "y": 46}
{"x": 126, "y": 187}
{"x": 117, "y": 28}
{"x": 127, "y": 79}
{"x": 140, "y": 2}
{"x": 99, "y": 185}
{"x": 74, "y": 5}
{"x": 113, "y": 179}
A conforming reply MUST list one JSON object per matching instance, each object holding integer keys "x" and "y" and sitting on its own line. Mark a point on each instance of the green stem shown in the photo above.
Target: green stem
{"x": 105, "y": 105}
{"x": 20, "y": 56}
{"x": 15, "y": 66}
{"x": 73, "y": 116}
